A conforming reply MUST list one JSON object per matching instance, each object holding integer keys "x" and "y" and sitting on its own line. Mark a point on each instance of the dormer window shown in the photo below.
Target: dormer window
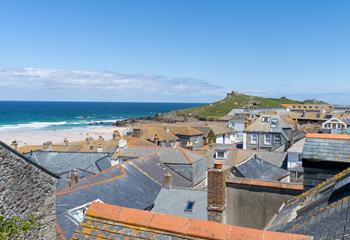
{"x": 274, "y": 123}
{"x": 220, "y": 154}
{"x": 265, "y": 119}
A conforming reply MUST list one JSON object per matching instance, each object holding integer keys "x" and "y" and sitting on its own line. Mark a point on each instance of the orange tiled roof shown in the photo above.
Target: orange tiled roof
{"x": 264, "y": 183}
{"x": 112, "y": 221}
{"x": 328, "y": 136}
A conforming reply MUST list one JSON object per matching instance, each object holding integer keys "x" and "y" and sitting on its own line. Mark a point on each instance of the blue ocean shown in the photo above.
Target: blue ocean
{"x": 18, "y": 115}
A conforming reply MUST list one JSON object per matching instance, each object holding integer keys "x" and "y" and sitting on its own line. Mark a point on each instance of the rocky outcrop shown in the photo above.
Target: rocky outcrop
{"x": 27, "y": 189}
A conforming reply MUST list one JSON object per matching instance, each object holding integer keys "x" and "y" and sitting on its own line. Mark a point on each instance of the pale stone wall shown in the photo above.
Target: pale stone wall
{"x": 25, "y": 190}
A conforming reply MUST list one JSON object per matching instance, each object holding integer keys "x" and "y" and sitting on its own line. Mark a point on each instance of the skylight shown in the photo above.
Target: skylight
{"x": 189, "y": 206}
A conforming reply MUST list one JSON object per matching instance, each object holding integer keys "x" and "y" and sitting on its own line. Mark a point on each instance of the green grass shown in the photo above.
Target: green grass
{"x": 223, "y": 107}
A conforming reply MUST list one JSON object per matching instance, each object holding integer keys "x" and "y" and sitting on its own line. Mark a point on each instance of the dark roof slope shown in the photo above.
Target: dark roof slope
{"x": 259, "y": 169}
{"x": 326, "y": 147}
{"x": 322, "y": 212}
{"x": 62, "y": 162}
{"x": 125, "y": 186}
{"x": 154, "y": 168}
{"x": 175, "y": 200}
{"x": 28, "y": 160}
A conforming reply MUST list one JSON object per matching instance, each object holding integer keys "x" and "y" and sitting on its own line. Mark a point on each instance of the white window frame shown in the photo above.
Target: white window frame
{"x": 265, "y": 139}
{"x": 254, "y": 136}
{"x": 275, "y": 138}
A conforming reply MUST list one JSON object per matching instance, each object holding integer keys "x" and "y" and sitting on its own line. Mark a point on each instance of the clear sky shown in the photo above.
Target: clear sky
{"x": 174, "y": 50}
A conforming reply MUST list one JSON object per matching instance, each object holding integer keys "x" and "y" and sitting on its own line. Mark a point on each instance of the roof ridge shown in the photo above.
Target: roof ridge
{"x": 182, "y": 226}
{"x": 26, "y": 159}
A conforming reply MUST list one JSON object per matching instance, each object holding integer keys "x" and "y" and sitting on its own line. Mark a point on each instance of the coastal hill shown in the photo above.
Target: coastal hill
{"x": 236, "y": 100}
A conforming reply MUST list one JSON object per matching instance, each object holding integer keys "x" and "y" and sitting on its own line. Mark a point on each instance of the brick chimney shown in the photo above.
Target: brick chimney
{"x": 216, "y": 193}
{"x": 168, "y": 180}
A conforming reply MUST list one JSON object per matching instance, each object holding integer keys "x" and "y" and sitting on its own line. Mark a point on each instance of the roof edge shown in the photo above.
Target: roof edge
{"x": 265, "y": 183}
{"x": 183, "y": 226}
{"x": 328, "y": 136}
{"x": 4, "y": 145}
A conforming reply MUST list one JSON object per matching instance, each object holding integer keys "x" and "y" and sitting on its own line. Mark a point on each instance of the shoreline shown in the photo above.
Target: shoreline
{"x": 37, "y": 137}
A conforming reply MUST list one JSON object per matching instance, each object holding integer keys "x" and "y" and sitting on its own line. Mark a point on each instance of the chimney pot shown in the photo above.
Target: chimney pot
{"x": 217, "y": 164}
{"x": 168, "y": 180}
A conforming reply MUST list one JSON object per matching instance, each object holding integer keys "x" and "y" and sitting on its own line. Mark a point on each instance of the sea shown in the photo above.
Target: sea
{"x": 27, "y": 115}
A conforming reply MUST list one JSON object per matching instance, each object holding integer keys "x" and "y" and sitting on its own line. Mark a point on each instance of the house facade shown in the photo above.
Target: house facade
{"x": 266, "y": 133}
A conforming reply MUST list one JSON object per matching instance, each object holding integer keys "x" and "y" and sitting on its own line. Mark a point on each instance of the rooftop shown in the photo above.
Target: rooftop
{"x": 320, "y": 212}
{"x": 255, "y": 167}
{"x": 123, "y": 185}
{"x": 177, "y": 200}
{"x": 327, "y": 147}
{"x": 114, "y": 222}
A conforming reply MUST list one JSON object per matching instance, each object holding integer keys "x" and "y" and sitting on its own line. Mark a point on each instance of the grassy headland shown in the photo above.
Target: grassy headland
{"x": 223, "y": 107}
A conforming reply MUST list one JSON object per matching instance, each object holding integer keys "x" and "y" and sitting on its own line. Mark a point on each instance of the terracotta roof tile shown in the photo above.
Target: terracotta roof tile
{"x": 169, "y": 224}
{"x": 328, "y": 136}
{"x": 264, "y": 183}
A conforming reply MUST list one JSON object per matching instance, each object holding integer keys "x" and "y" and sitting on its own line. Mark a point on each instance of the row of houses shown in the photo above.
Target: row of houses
{"x": 162, "y": 193}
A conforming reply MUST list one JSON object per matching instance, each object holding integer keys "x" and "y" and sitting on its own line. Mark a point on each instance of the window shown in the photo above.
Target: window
{"x": 274, "y": 123}
{"x": 265, "y": 119}
{"x": 220, "y": 154}
{"x": 267, "y": 139}
{"x": 189, "y": 206}
{"x": 254, "y": 138}
{"x": 277, "y": 139}
{"x": 196, "y": 140}
{"x": 77, "y": 214}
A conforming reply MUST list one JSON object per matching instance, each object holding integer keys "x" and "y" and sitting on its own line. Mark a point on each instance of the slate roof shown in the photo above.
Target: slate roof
{"x": 322, "y": 212}
{"x": 28, "y": 160}
{"x": 167, "y": 155}
{"x": 236, "y": 156}
{"x": 154, "y": 168}
{"x": 151, "y": 132}
{"x": 174, "y": 201}
{"x": 125, "y": 186}
{"x": 327, "y": 147}
{"x": 205, "y": 130}
{"x": 114, "y": 222}
{"x": 259, "y": 169}
{"x": 184, "y": 130}
{"x": 61, "y": 163}
{"x": 259, "y": 126}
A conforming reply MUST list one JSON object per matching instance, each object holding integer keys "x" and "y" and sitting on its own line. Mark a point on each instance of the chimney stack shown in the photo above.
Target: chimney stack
{"x": 216, "y": 193}
{"x": 74, "y": 177}
{"x": 14, "y": 144}
{"x": 168, "y": 180}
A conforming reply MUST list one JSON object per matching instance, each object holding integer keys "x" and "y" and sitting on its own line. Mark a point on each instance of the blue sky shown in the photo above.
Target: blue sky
{"x": 178, "y": 51}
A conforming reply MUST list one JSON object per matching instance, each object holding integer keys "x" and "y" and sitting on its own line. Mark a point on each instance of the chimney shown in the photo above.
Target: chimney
{"x": 216, "y": 193}
{"x": 168, "y": 180}
{"x": 73, "y": 177}
{"x": 46, "y": 145}
{"x": 14, "y": 144}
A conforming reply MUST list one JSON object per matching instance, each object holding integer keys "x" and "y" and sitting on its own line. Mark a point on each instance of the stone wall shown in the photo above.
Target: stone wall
{"x": 26, "y": 189}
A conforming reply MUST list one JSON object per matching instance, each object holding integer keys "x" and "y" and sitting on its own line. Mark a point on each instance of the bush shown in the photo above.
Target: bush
{"x": 15, "y": 227}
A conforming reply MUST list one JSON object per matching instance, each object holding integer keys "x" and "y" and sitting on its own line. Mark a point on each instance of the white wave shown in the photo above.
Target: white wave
{"x": 31, "y": 125}
{"x": 105, "y": 121}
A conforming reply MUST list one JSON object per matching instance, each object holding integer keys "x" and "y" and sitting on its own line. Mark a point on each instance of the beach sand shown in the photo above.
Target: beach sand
{"x": 35, "y": 137}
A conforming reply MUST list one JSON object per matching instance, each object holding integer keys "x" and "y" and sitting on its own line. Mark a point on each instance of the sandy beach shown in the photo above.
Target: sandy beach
{"x": 34, "y": 137}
